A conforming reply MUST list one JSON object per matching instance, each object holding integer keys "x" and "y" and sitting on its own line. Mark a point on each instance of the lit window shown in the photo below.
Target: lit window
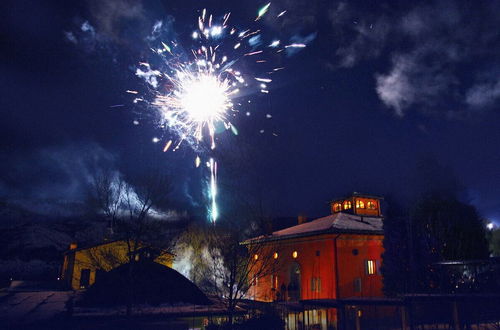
{"x": 347, "y": 205}
{"x": 370, "y": 267}
{"x": 275, "y": 255}
{"x": 371, "y": 205}
{"x": 360, "y": 204}
{"x": 274, "y": 281}
{"x": 255, "y": 256}
{"x": 295, "y": 254}
{"x": 337, "y": 207}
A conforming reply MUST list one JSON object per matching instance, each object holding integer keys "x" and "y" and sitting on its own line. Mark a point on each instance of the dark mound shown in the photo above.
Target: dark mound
{"x": 153, "y": 284}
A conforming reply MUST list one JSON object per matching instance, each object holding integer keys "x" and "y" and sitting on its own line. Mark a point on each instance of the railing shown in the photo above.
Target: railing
{"x": 408, "y": 312}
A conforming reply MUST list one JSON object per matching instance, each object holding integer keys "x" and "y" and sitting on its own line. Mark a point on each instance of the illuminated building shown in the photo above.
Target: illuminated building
{"x": 334, "y": 257}
{"x": 83, "y": 266}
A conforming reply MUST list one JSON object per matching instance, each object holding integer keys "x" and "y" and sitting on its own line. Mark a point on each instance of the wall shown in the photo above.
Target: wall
{"x": 374, "y": 212}
{"x": 104, "y": 256}
{"x": 366, "y": 211}
{"x": 322, "y": 266}
{"x": 369, "y": 247}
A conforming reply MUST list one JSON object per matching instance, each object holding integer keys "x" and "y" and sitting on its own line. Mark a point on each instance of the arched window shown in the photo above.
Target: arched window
{"x": 347, "y": 205}
{"x": 294, "y": 290}
{"x": 371, "y": 205}
{"x": 360, "y": 204}
{"x": 337, "y": 207}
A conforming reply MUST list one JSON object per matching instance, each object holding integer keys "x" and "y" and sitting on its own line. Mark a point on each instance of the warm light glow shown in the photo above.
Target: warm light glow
{"x": 347, "y": 205}
{"x": 371, "y": 205}
{"x": 360, "y": 204}
{"x": 256, "y": 256}
{"x": 370, "y": 267}
{"x": 275, "y": 255}
{"x": 337, "y": 207}
{"x": 295, "y": 254}
{"x": 274, "y": 281}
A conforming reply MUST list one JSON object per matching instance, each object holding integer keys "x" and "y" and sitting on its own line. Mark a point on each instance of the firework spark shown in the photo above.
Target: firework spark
{"x": 262, "y": 11}
{"x": 167, "y": 146}
{"x": 214, "y": 212}
{"x": 200, "y": 99}
{"x": 195, "y": 95}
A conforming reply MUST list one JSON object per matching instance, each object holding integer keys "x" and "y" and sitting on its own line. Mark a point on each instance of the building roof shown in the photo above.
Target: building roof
{"x": 356, "y": 194}
{"x": 341, "y": 223}
{"x": 88, "y": 247}
{"x": 83, "y": 248}
{"x": 153, "y": 284}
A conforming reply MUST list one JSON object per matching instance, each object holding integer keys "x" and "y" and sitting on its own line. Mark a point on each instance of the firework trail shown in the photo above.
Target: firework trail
{"x": 194, "y": 96}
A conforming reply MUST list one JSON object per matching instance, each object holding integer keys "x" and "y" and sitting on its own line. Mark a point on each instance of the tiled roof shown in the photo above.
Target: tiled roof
{"x": 335, "y": 223}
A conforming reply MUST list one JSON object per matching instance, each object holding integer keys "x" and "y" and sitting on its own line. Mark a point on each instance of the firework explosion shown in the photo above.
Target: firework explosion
{"x": 196, "y": 95}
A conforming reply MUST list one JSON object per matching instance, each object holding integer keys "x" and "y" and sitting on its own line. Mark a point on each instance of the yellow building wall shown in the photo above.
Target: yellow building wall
{"x": 105, "y": 257}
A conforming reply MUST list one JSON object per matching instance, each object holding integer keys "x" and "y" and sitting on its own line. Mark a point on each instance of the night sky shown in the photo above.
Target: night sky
{"x": 380, "y": 86}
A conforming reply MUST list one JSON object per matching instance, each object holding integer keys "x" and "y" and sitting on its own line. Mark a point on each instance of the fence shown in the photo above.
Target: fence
{"x": 408, "y": 312}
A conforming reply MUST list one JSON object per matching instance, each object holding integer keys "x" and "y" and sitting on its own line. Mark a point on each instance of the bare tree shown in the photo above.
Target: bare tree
{"x": 237, "y": 266}
{"x": 131, "y": 213}
{"x": 220, "y": 264}
{"x": 107, "y": 194}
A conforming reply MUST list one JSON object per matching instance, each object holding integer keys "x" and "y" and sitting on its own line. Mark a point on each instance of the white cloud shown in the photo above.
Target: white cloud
{"x": 431, "y": 46}
{"x": 369, "y": 41}
{"x": 70, "y": 37}
{"x": 162, "y": 29}
{"x": 357, "y": 38}
{"x": 50, "y": 180}
{"x": 86, "y": 27}
{"x": 109, "y": 15}
{"x": 412, "y": 82}
{"x": 483, "y": 95}
{"x": 394, "y": 88}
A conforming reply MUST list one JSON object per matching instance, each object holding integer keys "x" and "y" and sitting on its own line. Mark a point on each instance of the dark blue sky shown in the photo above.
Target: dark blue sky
{"x": 381, "y": 87}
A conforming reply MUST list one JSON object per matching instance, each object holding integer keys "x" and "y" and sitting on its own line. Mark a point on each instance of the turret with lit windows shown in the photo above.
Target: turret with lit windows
{"x": 358, "y": 204}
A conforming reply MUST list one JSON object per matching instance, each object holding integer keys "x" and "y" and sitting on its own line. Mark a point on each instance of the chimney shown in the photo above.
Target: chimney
{"x": 301, "y": 219}
{"x": 267, "y": 226}
{"x": 73, "y": 246}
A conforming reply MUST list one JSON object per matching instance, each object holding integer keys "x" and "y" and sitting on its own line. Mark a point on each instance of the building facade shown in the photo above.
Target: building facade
{"x": 83, "y": 266}
{"x": 334, "y": 257}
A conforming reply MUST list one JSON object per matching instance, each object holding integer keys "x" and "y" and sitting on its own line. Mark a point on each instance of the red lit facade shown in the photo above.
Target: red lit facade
{"x": 337, "y": 256}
